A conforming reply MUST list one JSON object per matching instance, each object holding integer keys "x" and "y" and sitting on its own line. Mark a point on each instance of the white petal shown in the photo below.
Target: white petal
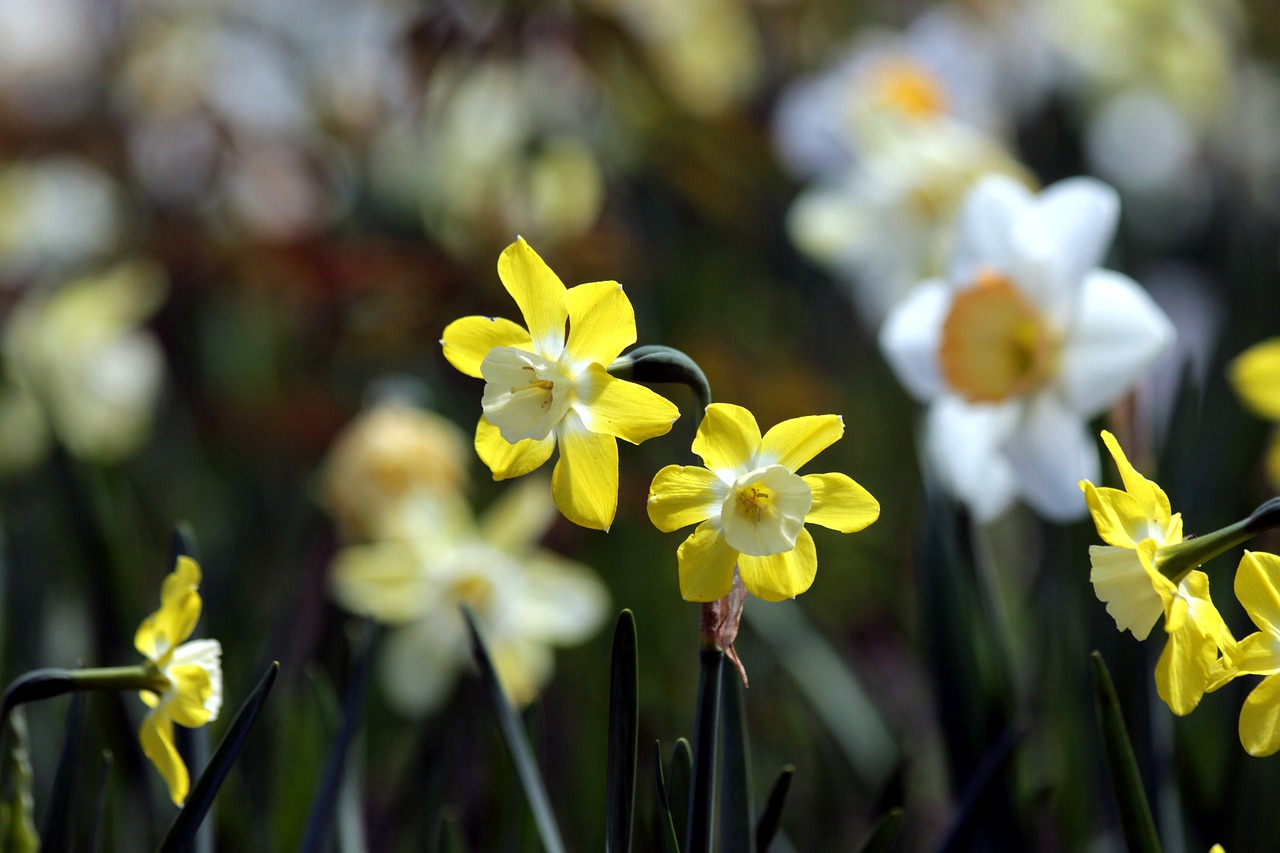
{"x": 985, "y": 227}
{"x": 962, "y": 442}
{"x": 910, "y": 337}
{"x": 1119, "y": 333}
{"x": 562, "y": 602}
{"x": 420, "y": 661}
{"x": 1052, "y": 451}
{"x": 1062, "y": 236}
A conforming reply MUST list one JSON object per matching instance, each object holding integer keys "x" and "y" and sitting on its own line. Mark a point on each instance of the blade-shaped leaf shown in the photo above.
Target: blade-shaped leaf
{"x": 771, "y": 820}
{"x": 1126, "y": 782}
{"x": 624, "y": 712}
{"x": 880, "y": 838}
{"x": 98, "y": 829}
{"x": 517, "y": 744}
{"x": 665, "y": 829}
{"x": 736, "y": 820}
{"x": 183, "y": 829}
{"x": 697, "y": 838}
{"x": 679, "y": 778}
{"x": 57, "y": 823}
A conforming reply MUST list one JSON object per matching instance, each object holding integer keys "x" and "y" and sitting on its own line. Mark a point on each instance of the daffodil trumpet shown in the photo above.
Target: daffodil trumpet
{"x": 1178, "y": 559}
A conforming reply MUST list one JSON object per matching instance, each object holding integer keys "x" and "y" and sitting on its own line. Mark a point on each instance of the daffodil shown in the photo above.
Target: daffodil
{"x": 192, "y": 670}
{"x": 1257, "y": 586}
{"x": 1123, "y": 574}
{"x": 751, "y": 505}
{"x": 1022, "y": 343}
{"x": 435, "y": 557}
{"x": 543, "y": 388}
{"x": 1255, "y": 376}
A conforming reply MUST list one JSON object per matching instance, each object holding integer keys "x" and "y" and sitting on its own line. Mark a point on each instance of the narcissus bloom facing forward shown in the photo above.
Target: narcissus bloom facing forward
{"x": 543, "y": 388}
{"x": 193, "y": 671}
{"x": 1023, "y": 342}
{"x": 1258, "y": 588}
{"x": 1123, "y": 572}
{"x": 751, "y": 506}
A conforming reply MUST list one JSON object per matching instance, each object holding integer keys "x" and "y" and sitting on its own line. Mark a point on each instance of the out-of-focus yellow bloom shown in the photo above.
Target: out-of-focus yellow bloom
{"x": 543, "y": 389}
{"x": 526, "y": 599}
{"x": 383, "y": 456}
{"x": 1258, "y": 588}
{"x": 751, "y": 506}
{"x": 193, "y": 671}
{"x": 81, "y": 354}
{"x": 1255, "y": 375}
{"x": 1131, "y": 587}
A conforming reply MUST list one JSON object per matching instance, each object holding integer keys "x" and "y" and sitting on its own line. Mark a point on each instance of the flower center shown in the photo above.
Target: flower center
{"x": 995, "y": 345}
{"x": 902, "y": 84}
{"x": 525, "y": 395}
{"x": 764, "y": 511}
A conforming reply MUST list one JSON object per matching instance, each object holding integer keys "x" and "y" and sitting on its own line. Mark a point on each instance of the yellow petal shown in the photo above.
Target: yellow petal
{"x": 539, "y": 293}
{"x": 382, "y": 580}
{"x": 1182, "y": 673}
{"x": 793, "y": 443}
{"x": 840, "y": 503}
{"x": 1260, "y": 718}
{"x": 584, "y": 483}
{"x": 1152, "y": 500}
{"x": 728, "y": 439}
{"x": 1258, "y": 588}
{"x": 1256, "y": 654}
{"x": 684, "y": 495}
{"x": 467, "y": 341}
{"x": 507, "y": 460}
{"x": 1255, "y": 374}
{"x": 162, "y": 631}
{"x": 623, "y": 409}
{"x": 602, "y": 322}
{"x": 781, "y": 576}
{"x": 192, "y": 687}
{"x": 156, "y": 736}
{"x": 706, "y": 564}
{"x": 1117, "y": 515}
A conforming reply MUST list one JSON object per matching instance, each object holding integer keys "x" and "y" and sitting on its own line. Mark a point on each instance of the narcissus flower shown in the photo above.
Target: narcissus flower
{"x": 751, "y": 506}
{"x": 1123, "y": 572}
{"x": 1022, "y": 343}
{"x": 543, "y": 389}
{"x": 193, "y": 671}
{"x": 1255, "y": 375}
{"x": 1258, "y": 588}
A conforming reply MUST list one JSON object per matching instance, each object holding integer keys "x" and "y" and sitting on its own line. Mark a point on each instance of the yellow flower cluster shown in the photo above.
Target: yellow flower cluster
{"x": 1143, "y": 572}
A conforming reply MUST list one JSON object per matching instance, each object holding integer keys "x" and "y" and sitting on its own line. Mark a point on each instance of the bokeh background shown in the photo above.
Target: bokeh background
{"x": 228, "y": 227}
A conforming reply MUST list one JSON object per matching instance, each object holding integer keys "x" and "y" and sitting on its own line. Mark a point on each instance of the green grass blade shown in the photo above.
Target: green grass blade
{"x": 183, "y": 829}
{"x": 737, "y": 823}
{"x": 880, "y": 838}
{"x": 666, "y": 828}
{"x": 679, "y": 778}
{"x": 1126, "y": 782}
{"x": 697, "y": 837}
{"x": 771, "y": 820}
{"x": 57, "y": 819}
{"x": 517, "y": 744}
{"x": 624, "y": 722}
{"x": 98, "y": 829}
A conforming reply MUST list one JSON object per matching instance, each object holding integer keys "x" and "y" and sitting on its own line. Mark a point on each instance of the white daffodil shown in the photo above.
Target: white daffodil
{"x": 434, "y": 558}
{"x": 1022, "y": 342}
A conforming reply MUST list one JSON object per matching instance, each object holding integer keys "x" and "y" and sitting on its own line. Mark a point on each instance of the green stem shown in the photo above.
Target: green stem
{"x": 654, "y": 363}
{"x": 1177, "y": 560}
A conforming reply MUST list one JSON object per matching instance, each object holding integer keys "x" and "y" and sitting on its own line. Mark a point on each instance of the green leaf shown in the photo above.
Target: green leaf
{"x": 666, "y": 829}
{"x": 450, "y": 838}
{"x": 17, "y": 828}
{"x": 183, "y": 829}
{"x": 517, "y": 744}
{"x": 624, "y": 721}
{"x": 98, "y": 829}
{"x": 771, "y": 820}
{"x": 56, "y": 823}
{"x": 679, "y": 780}
{"x": 880, "y": 838}
{"x": 1126, "y": 782}
{"x": 697, "y": 838}
{"x": 736, "y": 819}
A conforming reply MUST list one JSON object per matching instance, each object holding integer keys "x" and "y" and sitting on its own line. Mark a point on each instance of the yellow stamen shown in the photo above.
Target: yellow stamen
{"x": 904, "y": 85}
{"x": 995, "y": 345}
{"x": 753, "y": 502}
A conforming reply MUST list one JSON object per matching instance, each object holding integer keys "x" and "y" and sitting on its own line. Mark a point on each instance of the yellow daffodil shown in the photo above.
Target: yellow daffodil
{"x": 1255, "y": 375}
{"x": 751, "y": 506}
{"x": 1196, "y": 633}
{"x": 193, "y": 671}
{"x": 543, "y": 388}
{"x": 1258, "y": 588}
{"x": 1123, "y": 571}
